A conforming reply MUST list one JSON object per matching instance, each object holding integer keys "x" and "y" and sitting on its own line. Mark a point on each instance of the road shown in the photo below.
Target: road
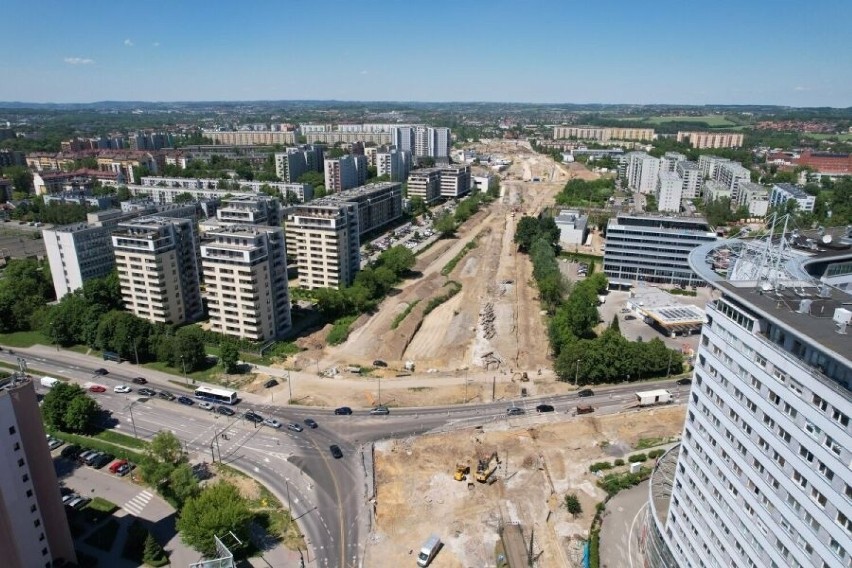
{"x": 328, "y": 497}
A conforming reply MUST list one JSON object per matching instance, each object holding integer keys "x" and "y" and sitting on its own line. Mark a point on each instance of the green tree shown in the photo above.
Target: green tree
{"x": 189, "y": 348}
{"x": 331, "y": 303}
{"x": 398, "y": 259}
{"x": 217, "y": 510}
{"x": 105, "y": 291}
{"x": 184, "y": 197}
{"x": 183, "y": 484}
{"x": 572, "y": 504}
{"x": 418, "y": 205}
{"x": 445, "y": 225}
{"x": 614, "y": 325}
{"x": 526, "y": 233}
{"x": 67, "y": 407}
{"x": 165, "y": 447}
{"x": 153, "y": 554}
{"x": 80, "y": 413}
{"x": 229, "y": 354}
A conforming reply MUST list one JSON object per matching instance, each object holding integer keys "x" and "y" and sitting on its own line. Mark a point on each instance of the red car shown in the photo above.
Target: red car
{"x": 97, "y": 388}
{"x": 113, "y": 468}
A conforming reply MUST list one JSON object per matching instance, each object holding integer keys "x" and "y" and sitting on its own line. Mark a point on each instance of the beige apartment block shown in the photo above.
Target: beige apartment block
{"x": 603, "y": 134}
{"x": 711, "y": 139}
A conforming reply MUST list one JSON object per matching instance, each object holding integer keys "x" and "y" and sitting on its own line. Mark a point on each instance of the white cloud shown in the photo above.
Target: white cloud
{"x": 128, "y": 43}
{"x": 156, "y": 44}
{"x": 78, "y": 60}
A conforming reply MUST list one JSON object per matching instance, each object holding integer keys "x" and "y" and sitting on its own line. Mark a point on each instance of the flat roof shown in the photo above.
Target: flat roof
{"x": 685, "y": 316}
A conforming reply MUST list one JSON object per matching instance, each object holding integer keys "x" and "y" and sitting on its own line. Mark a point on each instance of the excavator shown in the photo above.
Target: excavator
{"x": 462, "y": 470}
{"x": 486, "y": 467}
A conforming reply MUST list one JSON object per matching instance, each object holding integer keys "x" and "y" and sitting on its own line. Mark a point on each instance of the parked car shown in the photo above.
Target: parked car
{"x": 252, "y": 416}
{"x": 343, "y": 411}
{"x": 90, "y": 459}
{"x": 336, "y": 451}
{"x": 585, "y": 409}
{"x": 205, "y": 406}
{"x": 113, "y": 467}
{"x": 70, "y": 452}
{"x": 311, "y": 423}
{"x": 629, "y": 318}
{"x": 121, "y": 389}
{"x": 147, "y": 392}
{"x": 124, "y": 469}
{"x": 586, "y": 393}
{"x": 139, "y": 381}
{"x": 185, "y": 400}
{"x": 685, "y": 381}
{"x": 166, "y": 395}
{"x": 294, "y": 427}
{"x": 225, "y": 411}
{"x": 272, "y": 423}
{"x": 79, "y": 503}
{"x": 270, "y": 383}
{"x": 53, "y": 443}
{"x": 524, "y": 391}
{"x": 97, "y": 388}
{"x": 379, "y": 363}
{"x": 102, "y": 460}
{"x": 544, "y": 408}
{"x": 83, "y": 456}
{"x": 68, "y": 497}
{"x": 101, "y": 372}
{"x": 515, "y": 411}
{"x": 380, "y": 411}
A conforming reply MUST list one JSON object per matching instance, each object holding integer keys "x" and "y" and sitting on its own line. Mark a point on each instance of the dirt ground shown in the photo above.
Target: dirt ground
{"x": 542, "y": 458}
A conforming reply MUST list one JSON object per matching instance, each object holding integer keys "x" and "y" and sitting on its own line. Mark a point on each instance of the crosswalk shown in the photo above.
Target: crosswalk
{"x": 135, "y": 505}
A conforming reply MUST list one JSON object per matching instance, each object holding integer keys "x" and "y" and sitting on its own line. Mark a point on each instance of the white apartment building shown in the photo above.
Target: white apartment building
{"x": 670, "y": 160}
{"x": 345, "y": 172}
{"x": 753, "y": 197}
{"x": 732, "y": 175}
{"x": 291, "y": 164}
{"x": 711, "y": 139}
{"x": 302, "y": 191}
{"x": 603, "y": 134}
{"x": 425, "y": 184}
{"x": 337, "y": 137}
{"x": 250, "y": 210}
{"x": 761, "y": 477}
{"x": 714, "y": 190}
{"x": 158, "y": 268}
{"x": 250, "y": 137}
{"x": 692, "y": 180}
{"x": 403, "y": 138}
{"x": 245, "y": 281}
{"x": 781, "y": 192}
{"x": 439, "y": 142}
{"x": 708, "y": 165}
{"x": 455, "y": 180}
{"x": 642, "y": 171}
{"x": 669, "y": 192}
{"x": 77, "y": 253}
{"x": 396, "y": 164}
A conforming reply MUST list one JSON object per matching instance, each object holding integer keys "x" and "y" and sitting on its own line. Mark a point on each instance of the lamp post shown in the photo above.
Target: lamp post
{"x": 577, "y": 373}
{"x": 133, "y": 422}
{"x": 183, "y": 365}
{"x": 290, "y": 387}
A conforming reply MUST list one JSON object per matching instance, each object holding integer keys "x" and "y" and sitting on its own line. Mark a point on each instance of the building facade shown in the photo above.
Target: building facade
{"x": 782, "y": 192}
{"x": 34, "y": 528}
{"x": 669, "y": 192}
{"x": 245, "y": 281}
{"x": 345, "y": 172}
{"x": 250, "y": 137}
{"x": 455, "y": 180}
{"x": 250, "y": 210}
{"x": 425, "y": 184}
{"x": 573, "y": 227}
{"x": 603, "y": 134}
{"x": 291, "y": 164}
{"x": 691, "y": 176}
{"x": 642, "y": 171}
{"x": 396, "y": 164}
{"x": 77, "y": 253}
{"x": 711, "y": 139}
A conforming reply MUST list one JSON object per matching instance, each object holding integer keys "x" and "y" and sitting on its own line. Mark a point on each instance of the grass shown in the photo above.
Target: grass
{"x": 712, "y": 120}
{"x": 455, "y": 288}
{"x": 208, "y": 374}
{"x": 91, "y": 443}
{"x": 102, "y": 505}
{"x": 404, "y": 314}
{"x": 820, "y": 136}
{"x": 24, "y": 339}
{"x": 340, "y": 330}
{"x": 104, "y": 537}
{"x": 456, "y": 259}
{"x": 117, "y": 438}
{"x": 645, "y": 443}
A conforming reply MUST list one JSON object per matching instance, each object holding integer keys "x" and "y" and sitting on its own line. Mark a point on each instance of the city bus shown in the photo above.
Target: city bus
{"x": 217, "y": 396}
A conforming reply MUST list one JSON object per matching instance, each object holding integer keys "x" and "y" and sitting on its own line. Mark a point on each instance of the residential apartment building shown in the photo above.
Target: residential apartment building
{"x": 301, "y": 191}
{"x": 291, "y": 192}
{"x": 12, "y": 158}
{"x": 573, "y": 227}
{"x": 642, "y": 171}
{"x": 439, "y": 143}
{"x": 670, "y": 160}
{"x": 245, "y": 281}
{"x": 351, "y": 137}
{"x": 713, "y": 190}
{"x": 669, "y": 192}
{"x": 603, "y": 134}
{"x": 378, "y": 204}
{"x": 291, "y": 164}
{"x": 250, "y": 137}
{"x": 402, "y": 137}
{"x": 396, "y": 164}
{"x": 753, "y": 197}
{"x": 711, "y": 139}
{"x": 345, "y": 172}
{"x": 34, "y": 528}
{"x": 732, "y": 175}
{"x": 782, "y": 192}
{"x": 425, "y": 184}
{"x": 691, "y": 176}
{"x": 761, "y": 477}
{"x": 158, "y": 268}
{"x": 654, "y": 249}
{"x": 708, "y": 165}
{"x": 250, "y": 210}
{"x": 455, "y": 180}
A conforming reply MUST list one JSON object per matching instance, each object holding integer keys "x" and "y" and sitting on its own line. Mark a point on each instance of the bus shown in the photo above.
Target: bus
{"x": 218, "y": 396}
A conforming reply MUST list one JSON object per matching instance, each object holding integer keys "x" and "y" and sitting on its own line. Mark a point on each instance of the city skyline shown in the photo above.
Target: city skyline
{"x": 541, "y": 52}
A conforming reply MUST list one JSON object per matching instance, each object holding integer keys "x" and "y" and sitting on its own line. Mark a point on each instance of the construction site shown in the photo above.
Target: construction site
{"x": 494, "y": 494}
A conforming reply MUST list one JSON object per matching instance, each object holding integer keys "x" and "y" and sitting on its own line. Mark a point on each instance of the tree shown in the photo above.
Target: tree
{"x": 165, "y": 447}
{"x": 183, "y": 484}
{"x": 229, "y": 354}
{"x": 184, "y": 197}
{"x": 572, "y": 504}
{"x": 418, "y": 205}
{"x": 445, "y": 225}
{"x": 189, "y": 348}
{"x": 217, "y": 510}
{"x": 61, "y": 410}
{"x": 153, "y": 554}
{"x": 399, "y": 259}
{"x": 614, "y": 325}
{"x": 526, "y": 233}
{"x": 79, "y": 414}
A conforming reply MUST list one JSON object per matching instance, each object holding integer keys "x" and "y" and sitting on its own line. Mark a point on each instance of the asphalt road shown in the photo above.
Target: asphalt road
{"x": 328, "y": 496}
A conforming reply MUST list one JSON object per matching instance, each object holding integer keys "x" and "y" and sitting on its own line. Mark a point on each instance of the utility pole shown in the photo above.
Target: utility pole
{"x": 132, "y": 422}
{"x": 289, "y": 505}
{"x": 183, "y": 365}
{"x": 669, "y": 372}
{"x": 530, "y": 553}
{"x": 135, "y": 353}
{"x": 493, "y": 387}
{"x": 290, "y": 387}
{"x": 577, "y": 373}
{"x": 380, "y": 390}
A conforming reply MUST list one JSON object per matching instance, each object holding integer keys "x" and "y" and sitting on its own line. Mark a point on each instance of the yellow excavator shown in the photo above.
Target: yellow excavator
{"x": 462, "y": 470}
{"x": 486, "y": 467}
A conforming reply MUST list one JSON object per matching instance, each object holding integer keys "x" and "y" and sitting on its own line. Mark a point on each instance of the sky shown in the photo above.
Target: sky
{"x": 782, "y": 52}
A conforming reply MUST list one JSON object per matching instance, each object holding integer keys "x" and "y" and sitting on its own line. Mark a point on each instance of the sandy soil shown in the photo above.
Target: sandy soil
{"x": 541, "y": 459}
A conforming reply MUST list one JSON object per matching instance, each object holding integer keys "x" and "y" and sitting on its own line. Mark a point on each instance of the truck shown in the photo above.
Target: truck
{"x": 654, "y": 397}
{"x": 48, "y": 382}
{"x": 428, "y": 551}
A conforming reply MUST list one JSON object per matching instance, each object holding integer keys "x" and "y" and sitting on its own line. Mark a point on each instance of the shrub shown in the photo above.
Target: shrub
{"x": 637, "y": 458}
{"x": 653, "y": 454}
{"x": 599, "y": 466}
{"x": 618, "y": 462}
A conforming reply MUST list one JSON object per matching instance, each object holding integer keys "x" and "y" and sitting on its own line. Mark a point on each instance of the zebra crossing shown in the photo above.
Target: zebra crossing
{"x": 135, "y": 505}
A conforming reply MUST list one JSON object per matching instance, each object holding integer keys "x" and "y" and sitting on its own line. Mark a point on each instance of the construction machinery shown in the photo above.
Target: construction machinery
{"x": 486, "y": 467}
{"x": 462, "y": 470}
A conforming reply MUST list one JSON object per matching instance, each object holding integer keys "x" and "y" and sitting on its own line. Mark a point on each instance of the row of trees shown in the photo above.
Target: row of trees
{"x": 25, "y": 288}
{"x": 446, "y": 223}
{"x": 539, "y": 237}
{"x": 35, "y": 209}
{"x": 583, "y": 193}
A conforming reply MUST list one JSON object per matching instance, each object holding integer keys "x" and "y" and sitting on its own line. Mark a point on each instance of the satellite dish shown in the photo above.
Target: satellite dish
{"x": 826, "y": 240}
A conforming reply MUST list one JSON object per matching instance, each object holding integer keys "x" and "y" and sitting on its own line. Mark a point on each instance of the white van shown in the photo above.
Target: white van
{"x": 48, "y": 382}
{"x": 428, "y": 551}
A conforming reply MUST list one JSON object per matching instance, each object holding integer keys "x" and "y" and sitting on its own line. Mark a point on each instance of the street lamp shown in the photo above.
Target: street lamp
{"x": 133, "y": 422}
{"x": 577, "y": 373}
{"x": 183, "y": 364}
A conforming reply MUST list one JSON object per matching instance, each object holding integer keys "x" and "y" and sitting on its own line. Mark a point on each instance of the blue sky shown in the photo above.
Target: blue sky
{"x": 618, "y": 51}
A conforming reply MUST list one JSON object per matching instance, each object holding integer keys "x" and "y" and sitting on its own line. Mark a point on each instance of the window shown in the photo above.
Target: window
{"x": 32, "y": 508}
{"x": 12, "y": 430}
{"x": 790, "y": 411}
{"x": 812, "y": 429}
{"x": 818, "y": 497}
{"x": 29, "y": 492}
{"x": 844, "y": 522}
{"x": 21, "y": 462}
{"x": 832, "y": 445}
{"x": 37, "y": 523}
{"x": 840, "y": 418}
{"x": 774, "y": 398}
{"x": 820, "y": 403}
{"x": 796, "y": 387}
{"x": 805, "y": 453}
{"x": 784, "y": 435}
{"x": 837, "y": 548}
{"x": 44, "y": 551}
{"x": 800, "y": 479}
{"x": 25, "y": 478}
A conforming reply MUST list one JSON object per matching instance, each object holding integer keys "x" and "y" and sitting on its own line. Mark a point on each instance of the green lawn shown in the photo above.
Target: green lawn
{"x": 207, "y": 374}
{"x": 24, "y": 339}
{"x": 712, "y": 120}
{"x": 840, "y": 137}
{"x": 114, "y": 437}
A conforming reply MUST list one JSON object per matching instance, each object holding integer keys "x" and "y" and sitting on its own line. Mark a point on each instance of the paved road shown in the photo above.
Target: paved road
{"x": 622, "y": 526}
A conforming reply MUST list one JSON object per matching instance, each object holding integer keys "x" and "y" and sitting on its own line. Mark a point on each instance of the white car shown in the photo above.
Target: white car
{"x": 122, "y": 389}
{"x": 272, "y": 423}
{"x": 205, "y": 406}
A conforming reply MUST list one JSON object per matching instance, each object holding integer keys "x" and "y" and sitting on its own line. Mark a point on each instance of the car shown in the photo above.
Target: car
{"x": 139, "y": 381}
{"x": 102, "y": 460}
{"x": 79, "y": 503}
{"x": 205, "y": 406}
{"x": 83, "y": 456}
{"x": 53, "y": 443}
{"x": 252, "y": 416}
{"x": 625, "y": 310}
{"x": 586, "y": 393}
{"x": 336, "y": 451}
{"x": 343, "y": 411}
{"x": 124, "y": 469}
{"x": 380, "y": 411}
{"x": 121, "y": 389}
{"x": 147, "y": 392}
{"x": 225, "y": 411}
{"x": 629, "y": 318}
{"x": 101, "y": 372}
{"x": 113, "y": 467}
{"x": 684, "y": 381}
{"x": 90, "y": 458}
{"x": 97, "y": 388}
{"x": 70, "y": 452}
{"x": 515, "y": 411}
{"x": 379, "y": 363}
{"x": 185, "y": 400}
{"x": 311, "y": 423}
{"x": 544, "y": 408}
{"x": 270, "y": 383}
{"x": 294, "y": 427}
{"x": 585, "y": 409}
{"x": 166, "y": 395}
{"x": 272, "y": 423}
{"x": 68, "y": 497}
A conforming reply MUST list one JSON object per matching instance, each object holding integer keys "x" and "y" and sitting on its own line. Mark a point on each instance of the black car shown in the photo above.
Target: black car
{"x": 270, "y": 383}
{"x": 310, "y": 423}
{"x": 336, "y": 451}
{"x": 379, "y": 363}
{"x": 515, "y": 411}
{"x": 101, "y": 372}
{"x": 71, "y": 452}
{"x": 185, "y": 400}
{"x": 147, "y": 392}
{"x": 166, "y": 395}
{"x": 684, "y": 381}
{"x": 225, "y": 411}
{"x": 102, "y": 460}
{"x": 343, "y": 411}
{"x": 585, "y": 393}
{"x": 544, "y": 408}
{"x": 139, "y": 381}
{"x": 253, "y": 417}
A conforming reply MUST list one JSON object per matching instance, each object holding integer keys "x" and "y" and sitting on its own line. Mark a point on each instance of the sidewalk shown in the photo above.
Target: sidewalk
{"x": 622, "y": 525}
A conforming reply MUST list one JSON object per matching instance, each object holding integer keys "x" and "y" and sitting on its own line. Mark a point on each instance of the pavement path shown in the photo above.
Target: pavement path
{"x": 622, "y": 526}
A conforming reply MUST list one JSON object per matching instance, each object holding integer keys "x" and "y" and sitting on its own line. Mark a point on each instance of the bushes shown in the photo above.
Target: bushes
{"x": 456, "y": 259}
{"x": 654, "y": 454}
{"x": 619, "y": 462}
{"x": 600, "y": 466}
{"x": 635, "y": 458}
{"x": 455, "y": 288}
{"x": 340, "y": 331}
{"x": 404, "y": 314}
{"x": 615, "y": 482}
